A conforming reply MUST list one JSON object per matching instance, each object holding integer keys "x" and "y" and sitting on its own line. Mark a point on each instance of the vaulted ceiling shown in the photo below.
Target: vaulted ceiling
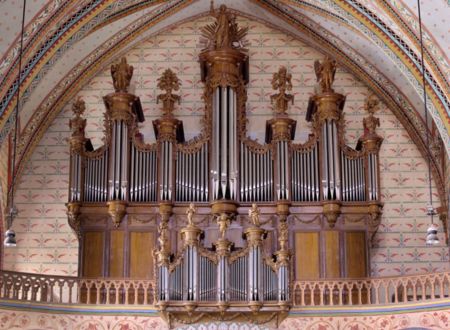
{"x": 66, "y": 43}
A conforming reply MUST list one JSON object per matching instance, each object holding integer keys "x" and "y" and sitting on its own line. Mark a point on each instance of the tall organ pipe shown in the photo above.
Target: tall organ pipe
{"x": 224, "y": 167}
{"x": 118, "y": 166}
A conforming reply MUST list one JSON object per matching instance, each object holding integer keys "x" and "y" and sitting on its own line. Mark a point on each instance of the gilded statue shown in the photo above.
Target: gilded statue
{"x": 190, "y": 214}
{"x": 282, "y": 81}
{"x": 121, "y": 74}
{"x": 223, "y": 221}
{"x": 224, "y": 33}
{"x": 325, "y": 73}
{"x": 168, "y": 82}
{"x": 253, "y": 213}
{"x": 163, "y": 237}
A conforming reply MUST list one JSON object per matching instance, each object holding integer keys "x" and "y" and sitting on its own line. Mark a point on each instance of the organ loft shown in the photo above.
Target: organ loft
{"x": 223, "y": 224}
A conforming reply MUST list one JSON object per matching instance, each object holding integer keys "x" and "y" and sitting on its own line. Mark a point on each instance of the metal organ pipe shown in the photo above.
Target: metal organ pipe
{"x": 191, "y": 171}
{"x": 256, "y": 176}
{"x": 118, "y": 170}
{"x": 330, "y": 164}
{"x": 305, "y": 182}
{"x": 224, "y": 167}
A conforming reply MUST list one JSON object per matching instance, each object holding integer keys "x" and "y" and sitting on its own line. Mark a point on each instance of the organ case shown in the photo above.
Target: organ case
{"x": 176, "y": 210}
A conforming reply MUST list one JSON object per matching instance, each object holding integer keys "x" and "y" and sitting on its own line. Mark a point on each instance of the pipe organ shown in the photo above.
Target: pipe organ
{"x": 224, "y": 223}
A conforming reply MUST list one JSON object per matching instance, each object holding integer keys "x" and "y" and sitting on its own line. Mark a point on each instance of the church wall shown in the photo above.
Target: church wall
{"x": 34, "y": 320}
{"x": 45, "y": 241}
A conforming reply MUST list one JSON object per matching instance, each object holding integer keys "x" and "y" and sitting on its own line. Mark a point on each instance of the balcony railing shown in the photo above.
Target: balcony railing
{"x": 340, "y": 292}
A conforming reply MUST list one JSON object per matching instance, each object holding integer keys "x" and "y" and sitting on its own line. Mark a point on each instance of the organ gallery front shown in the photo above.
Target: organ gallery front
{"x": 221, "y": 223}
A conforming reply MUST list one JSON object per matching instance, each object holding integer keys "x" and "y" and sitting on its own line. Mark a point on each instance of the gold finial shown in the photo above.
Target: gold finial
{"x": 282, "y": 81}
{"x": 224, "y": 33}
{"x": 121, "y": 74}
{"x": 168, "y": 82}
{"x": 325, "y": 72}
{"x": 190, "y": 214}
{"x": 253, "y": 213}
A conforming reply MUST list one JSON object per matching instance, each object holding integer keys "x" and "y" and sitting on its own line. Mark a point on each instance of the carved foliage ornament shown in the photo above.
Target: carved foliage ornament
{"x": 168, "y": 82}
{"x": 281, "y": 81}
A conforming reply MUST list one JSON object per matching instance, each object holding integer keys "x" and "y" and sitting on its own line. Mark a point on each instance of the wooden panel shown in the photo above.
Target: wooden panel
{"x": 93, "y": 254}
{"x": 141, "y": 254}
{"x": 307, "y": 254}
{"x": 356, "y": 254}
{"x": 116, "y": 253}
{"x": 332, "y": 260}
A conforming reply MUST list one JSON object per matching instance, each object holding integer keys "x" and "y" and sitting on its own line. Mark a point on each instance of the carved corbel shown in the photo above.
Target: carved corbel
{"x": 117, "y": 210}
{"x": 331, "y": 210}
{"x": 73, "y": 216}
{"x": 374, "y": 220}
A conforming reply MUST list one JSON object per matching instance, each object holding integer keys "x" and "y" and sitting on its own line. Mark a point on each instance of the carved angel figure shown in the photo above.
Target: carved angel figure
{"x": 121, "y": 74}
{"x": 168, "y": 82}
{"x": 253, "y": 213}
{"x": 163, "y": 234}
{"x": 325, "y": 72}
{"x": 371, "y": 122}
{"x": 223, "y": 221}
{"x": 224, "y": 32}
{"x": 282, "y": 81}
{"x": 190, "y": 214}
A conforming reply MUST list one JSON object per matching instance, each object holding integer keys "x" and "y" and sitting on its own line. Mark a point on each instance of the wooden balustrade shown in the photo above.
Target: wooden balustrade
{"x": 340, "y": 292}
{"x": 371, "y": 291}
{"x": 73, "y": 290}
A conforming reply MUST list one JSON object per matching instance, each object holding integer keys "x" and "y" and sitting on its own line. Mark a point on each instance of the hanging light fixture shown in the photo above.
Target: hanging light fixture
{"x": 10, "y": 235}
{"x": 432, "y": 238}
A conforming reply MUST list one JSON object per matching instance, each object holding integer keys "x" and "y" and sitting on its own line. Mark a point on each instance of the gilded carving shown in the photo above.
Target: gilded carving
{"x": 77, "y": 126}
{"x": 370, "y": 138}
{"x": 73, "y": 216}
{"x": 325, "y": 72}
{"x": 254, "y": 214}
{"x": 121, "y": 74}
{"x": 224, "y": 33}
{"x": 168, "y": 82}
{"x": 117, "y": 210}
{"x": 281, "y": 81}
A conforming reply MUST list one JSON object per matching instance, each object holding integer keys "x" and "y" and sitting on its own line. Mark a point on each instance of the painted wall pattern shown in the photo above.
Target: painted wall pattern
{"x": 32, "y": 320}
{"x": 45, "y": 241}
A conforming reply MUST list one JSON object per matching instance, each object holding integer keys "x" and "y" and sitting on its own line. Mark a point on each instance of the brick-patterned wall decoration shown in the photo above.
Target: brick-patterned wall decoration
{"x": 45, "y": 241}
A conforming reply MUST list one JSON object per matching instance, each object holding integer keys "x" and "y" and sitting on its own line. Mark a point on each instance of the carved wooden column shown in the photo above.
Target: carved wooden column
{"x": 254, "y": 236}
{"x": 166, "y": 134}
{"x": 371, "y": 143}
{"x": 76, "y": 175}
{"x": 329, "y": 105}
{"x": 224, "y": 66}
{"x": 281, "y": 131}
{"x": 191, "y": 238}
{"x": 283, "y": 256}
{"x": 223, "y": 247}
{"x": 163, "y": 255}
{"x": 120, "y": 117}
